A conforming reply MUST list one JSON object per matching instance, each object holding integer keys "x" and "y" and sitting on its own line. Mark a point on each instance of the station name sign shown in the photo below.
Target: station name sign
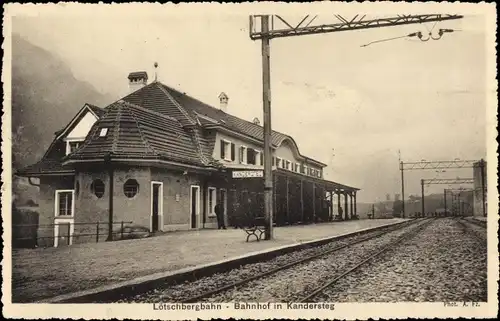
{"x": 247, "y": 174}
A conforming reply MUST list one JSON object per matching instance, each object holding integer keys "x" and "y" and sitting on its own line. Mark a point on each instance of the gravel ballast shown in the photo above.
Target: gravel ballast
{"x": 179, "y": 292}
{"x": 445, "y": 262}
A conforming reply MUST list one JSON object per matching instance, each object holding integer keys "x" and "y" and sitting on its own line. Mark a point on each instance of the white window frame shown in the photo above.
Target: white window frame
{"x": 73, "y": 140}
{"x": 227, "y": 150}
{"x": 59, "y": 221}
{"x": 257, "y": 157}
{"x": 279, "y": 162}
{"x": 305, "y": 170}
{"x": 283, "y": 165}
{"x": 297, "y": 167}
{"x": 211, "y": 211}
{"x": 56, "y": 203}
{"x": 64, "y": 219}
{"x": 243, "y": 154}
{"x": 103, "y": 132}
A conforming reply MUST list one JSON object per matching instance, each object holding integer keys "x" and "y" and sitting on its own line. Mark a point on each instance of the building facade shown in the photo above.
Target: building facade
{"x": 162, "y": 160}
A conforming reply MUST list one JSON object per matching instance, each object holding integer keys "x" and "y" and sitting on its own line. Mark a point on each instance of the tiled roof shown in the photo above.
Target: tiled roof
{"x": 157, "y": 122}
{"x": 136, "y": 132}
{"x": 196, "y": 107}
{"x": 45, "y": 166}
{"x": 154, "y": 98}
{"x": 190, "y": 111}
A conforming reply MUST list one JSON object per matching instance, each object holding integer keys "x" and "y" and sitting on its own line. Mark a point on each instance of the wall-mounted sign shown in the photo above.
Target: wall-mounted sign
{"x": 247, "y": 174}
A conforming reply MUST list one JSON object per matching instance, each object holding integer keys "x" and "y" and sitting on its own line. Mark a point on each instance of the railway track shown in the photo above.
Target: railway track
{"x": 204, "y": 295}
{"x": 466, "y": 226}
{"x": 477, "y": 223}
{"x": 310, "y": 296}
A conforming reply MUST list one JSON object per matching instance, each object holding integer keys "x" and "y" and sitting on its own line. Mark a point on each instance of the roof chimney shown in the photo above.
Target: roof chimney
{"x": 223, "y": 99}
{"x": 256, "y": 121}
{"x": 137, "y": 80}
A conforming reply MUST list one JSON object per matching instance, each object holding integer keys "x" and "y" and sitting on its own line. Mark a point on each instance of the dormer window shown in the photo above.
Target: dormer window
{"x": 73, "y": 145}
{"x": 103, "y": 132}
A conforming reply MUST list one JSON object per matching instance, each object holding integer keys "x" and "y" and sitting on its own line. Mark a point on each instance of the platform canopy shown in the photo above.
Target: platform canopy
{"x": 326, "y": 184}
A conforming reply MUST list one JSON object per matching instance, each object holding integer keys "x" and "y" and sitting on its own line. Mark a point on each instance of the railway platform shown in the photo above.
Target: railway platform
{"x": 55, "y": 274}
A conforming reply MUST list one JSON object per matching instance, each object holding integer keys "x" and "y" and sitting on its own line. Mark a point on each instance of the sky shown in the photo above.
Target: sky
{"x": 348, "y": 106}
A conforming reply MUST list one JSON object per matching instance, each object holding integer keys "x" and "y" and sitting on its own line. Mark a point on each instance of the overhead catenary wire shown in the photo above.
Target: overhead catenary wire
{"x": 418, "y": 34}
{"x": 389, "y": 39}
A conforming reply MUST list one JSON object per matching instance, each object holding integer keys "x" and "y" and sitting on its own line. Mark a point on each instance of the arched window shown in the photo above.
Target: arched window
{"x": 97, "y": 188}
{"x": 130, "y": 188}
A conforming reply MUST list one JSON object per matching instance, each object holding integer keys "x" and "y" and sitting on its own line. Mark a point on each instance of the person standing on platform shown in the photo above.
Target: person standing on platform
{"x": 220, "y": 216}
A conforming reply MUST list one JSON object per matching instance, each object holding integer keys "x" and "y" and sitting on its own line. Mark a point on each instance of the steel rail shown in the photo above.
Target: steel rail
{"x": 404, "y": 237}
{"x": 467, "y": 229}
{"x": 225, "y": 288}
{"x": 477, "y": 223}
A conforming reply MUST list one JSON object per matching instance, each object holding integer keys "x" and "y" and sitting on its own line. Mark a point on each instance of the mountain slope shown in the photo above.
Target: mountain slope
{"x": 45, "y": 97}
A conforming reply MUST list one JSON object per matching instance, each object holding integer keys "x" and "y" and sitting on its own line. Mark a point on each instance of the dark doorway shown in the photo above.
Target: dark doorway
{"x": 195, "y": 191}
{"x": 156, "y": 207}
{"x": 223, "y": 202}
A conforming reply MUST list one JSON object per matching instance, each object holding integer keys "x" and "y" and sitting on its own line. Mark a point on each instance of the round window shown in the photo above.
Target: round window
{"x": 131, "y": 188}
{"x": 97, "y": 188}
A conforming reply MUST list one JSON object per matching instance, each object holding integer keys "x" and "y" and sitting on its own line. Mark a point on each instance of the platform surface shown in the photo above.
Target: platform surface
{"x": 43, "y": 273}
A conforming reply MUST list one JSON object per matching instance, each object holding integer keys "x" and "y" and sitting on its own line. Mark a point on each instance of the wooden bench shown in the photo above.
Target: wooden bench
{"x": 257, "y": 225}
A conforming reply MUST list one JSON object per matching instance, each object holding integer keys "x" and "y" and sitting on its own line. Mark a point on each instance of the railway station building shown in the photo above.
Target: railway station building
{"x": 162, "y": 160}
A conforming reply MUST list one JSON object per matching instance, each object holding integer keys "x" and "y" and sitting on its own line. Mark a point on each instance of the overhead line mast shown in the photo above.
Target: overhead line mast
{"x": 306, "y": 27}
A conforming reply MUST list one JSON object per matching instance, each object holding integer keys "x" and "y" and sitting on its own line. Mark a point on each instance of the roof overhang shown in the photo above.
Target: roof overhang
{"x": 329, "y": 185}
{"x": 49, "y": 173}
{"x": 142, "y": 162}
